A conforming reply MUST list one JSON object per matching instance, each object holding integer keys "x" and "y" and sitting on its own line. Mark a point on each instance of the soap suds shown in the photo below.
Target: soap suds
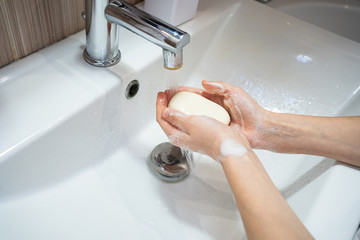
{"x": 230, "y": 147}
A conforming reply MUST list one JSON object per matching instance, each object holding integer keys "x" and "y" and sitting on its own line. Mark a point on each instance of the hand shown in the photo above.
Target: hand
{"x": 253, "y": 189}
{"x": 199, "y": 133}
{"x": 246, "y": 114}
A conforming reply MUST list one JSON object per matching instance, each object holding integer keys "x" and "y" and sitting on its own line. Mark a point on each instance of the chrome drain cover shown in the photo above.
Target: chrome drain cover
{"x": 170, "y": 163}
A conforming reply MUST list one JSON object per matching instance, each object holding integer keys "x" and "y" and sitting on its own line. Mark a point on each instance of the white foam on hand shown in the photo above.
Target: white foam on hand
{"x": 230, "y": 147}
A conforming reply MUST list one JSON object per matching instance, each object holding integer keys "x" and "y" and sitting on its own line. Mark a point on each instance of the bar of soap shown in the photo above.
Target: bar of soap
{"x": 195, "y": 104}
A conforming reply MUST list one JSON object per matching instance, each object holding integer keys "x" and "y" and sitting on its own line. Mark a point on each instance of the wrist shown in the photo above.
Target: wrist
{"x": 239, "y": 164}
{"x": 278, "y": 131}
{"x": 263, "y": 132}
{"x": 231, "y": 146}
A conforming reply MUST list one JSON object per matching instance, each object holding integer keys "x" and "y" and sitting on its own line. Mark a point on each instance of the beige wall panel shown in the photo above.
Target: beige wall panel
{"x": 6, "y": 55}
{"x": 35, "y": 24}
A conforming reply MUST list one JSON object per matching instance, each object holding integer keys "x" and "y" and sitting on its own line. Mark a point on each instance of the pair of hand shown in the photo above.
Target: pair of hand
{"x": 206, "y": 135}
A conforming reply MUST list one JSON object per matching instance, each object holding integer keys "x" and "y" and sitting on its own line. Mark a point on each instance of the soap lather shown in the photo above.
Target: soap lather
{"x": 195, "y": 104}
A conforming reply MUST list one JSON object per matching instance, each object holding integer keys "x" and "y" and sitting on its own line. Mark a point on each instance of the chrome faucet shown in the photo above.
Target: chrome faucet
{"x": 103, "y": 18}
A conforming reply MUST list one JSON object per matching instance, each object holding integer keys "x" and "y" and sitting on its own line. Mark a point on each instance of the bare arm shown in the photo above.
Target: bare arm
{"x": 264, "y": 211}
{"x": 333, "y": 137}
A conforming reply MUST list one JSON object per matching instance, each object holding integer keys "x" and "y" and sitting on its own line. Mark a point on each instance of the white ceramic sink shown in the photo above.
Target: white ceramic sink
{"x": 338, "y": 16}
{"x": 73, "y": 149}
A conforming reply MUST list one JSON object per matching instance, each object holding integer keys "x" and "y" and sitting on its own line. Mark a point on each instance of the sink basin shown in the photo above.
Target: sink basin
{"x": 340, "y": 184}
{"x": 74, "y": 149}
{"x": 340, "y": 17}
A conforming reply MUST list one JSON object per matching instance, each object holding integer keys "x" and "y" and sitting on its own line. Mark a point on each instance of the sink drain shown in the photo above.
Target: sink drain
{"x": 170, "y": 163}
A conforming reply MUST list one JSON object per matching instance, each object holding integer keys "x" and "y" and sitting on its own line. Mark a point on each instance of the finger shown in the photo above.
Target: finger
{"x": 191, "y": 89}
{"x": 226, "y": 90}
{"x": 171, "y": 92}
{"x": 222, "y": 88}
{"x": 180, "y": 139}
{"x": 214, "y": 87}
{"x": 173, "y": 129}
{"x": 177, "y": 119}
{"x": 161, "y": 105}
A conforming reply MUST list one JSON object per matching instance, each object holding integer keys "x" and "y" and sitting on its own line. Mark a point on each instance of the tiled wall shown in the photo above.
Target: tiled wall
{"x": 29, "y": 25}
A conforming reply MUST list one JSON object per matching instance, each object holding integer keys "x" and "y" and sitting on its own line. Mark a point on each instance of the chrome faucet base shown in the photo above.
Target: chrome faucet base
{"x": 102, "y": 63}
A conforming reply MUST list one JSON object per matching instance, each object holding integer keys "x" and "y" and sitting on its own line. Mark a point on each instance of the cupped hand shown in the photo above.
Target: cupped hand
{"x": 197, "y": 133}
{"x": 246, "y": 114}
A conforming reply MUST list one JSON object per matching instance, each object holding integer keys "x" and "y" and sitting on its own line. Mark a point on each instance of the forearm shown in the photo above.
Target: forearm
{"x": 265, "y": 213}
{"x": 333, "y": 137}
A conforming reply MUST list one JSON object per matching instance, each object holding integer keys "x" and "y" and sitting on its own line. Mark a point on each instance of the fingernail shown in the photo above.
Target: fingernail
{"x": 162, "y": 100}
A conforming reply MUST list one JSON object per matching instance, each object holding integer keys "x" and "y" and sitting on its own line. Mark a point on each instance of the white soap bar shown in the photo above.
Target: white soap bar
{"x": 194, "y": 104}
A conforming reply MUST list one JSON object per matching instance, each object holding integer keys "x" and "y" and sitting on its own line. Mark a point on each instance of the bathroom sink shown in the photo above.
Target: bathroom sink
{"x": 74, "y": 149}
{"x": 340, "y": 17}
{"x": 340, "y": 184}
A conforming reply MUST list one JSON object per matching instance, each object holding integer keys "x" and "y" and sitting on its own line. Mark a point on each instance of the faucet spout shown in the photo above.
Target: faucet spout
{"x": 102, "y": 50}
{"x": 173, "y": 60}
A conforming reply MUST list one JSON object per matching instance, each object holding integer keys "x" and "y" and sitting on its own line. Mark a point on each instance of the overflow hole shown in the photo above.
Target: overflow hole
{"x": 132, "y": 89}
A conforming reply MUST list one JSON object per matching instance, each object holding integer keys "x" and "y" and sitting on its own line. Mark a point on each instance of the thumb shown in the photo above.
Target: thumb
{"x": 175, "y": 118}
